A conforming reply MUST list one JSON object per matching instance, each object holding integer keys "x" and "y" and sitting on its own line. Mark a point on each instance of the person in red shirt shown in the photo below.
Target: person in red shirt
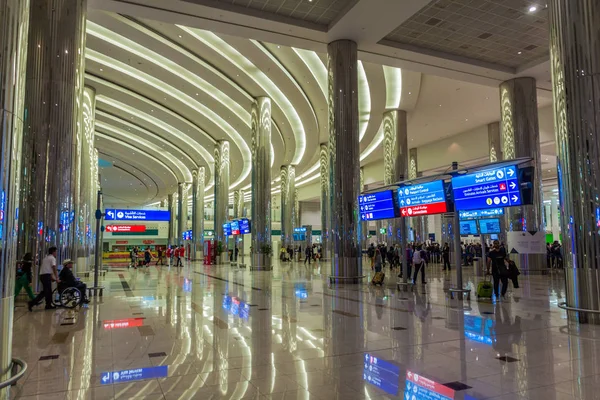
{"x": 169, "y": 254}
{"x": 180, "y": 253}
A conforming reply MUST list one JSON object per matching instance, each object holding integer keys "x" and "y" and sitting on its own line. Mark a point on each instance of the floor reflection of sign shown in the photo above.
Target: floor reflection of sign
{"x": 522, "y": 242}
{"x": 381, "y": 374}
{"x": 135, "y": 374}
{"x": 122, "y": 323}
{"x": 490, "y": 188}
{"x": 422, "y": 199}
{"x": 236, "y": 307}
{"x": 421, "y": 388}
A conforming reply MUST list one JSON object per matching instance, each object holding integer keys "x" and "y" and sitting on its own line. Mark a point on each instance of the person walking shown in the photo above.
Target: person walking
{"x": 24, "y": 277}
{"x": 159, "y": 257}
{"x": 495, "y": 263}
{"x": 180, "y": 255}
{"x": 147, "y": 257}
{"x": 419, "y": 264}
{"x": 446, "y": 256}
{"x": 307, "y": 255}
{"x": 48, "y": 273}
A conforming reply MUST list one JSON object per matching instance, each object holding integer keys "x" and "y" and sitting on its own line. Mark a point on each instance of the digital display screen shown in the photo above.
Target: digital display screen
{"x": 489, "y": 226}
{"x": 492, "y": 188}
{"x": 245, "y": 227}
{"x": 475, "y": 214}
{"x": 136, "y": 215}
{"x": 423, "y": 199}
{"x": 235, "y": 227}
{"x": 420, "y": 388}
{"x": 379, "y": 205}
{"x": 227, "y": 229}
{"x": 134, "y": 374}
{"x": 299, "y": 234}
{"x": 468, "y": 227}
{"x": 381, "y": 374}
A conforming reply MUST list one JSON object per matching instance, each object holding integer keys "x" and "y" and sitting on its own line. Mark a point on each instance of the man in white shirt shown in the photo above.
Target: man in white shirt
{"x": 48, "y": 273}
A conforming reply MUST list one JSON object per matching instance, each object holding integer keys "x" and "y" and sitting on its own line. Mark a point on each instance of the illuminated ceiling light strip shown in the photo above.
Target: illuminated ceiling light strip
{"x": 100, "y": 113}
{"x": 316, "y": 67}
{"x": 393, "y": 84}
{"x": 163, "y": 62}
{"x": 154, "y": 121}
{"x": 364, "y": 102}
{"x": 260, "y": 78}
{"x": 185, "y": 99}
{"x": 207, "y": 156}
{"x": 123, "y": 144}
{"x": 186, "y": 175}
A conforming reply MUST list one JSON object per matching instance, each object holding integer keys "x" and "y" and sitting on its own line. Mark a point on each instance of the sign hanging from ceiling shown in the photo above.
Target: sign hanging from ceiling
{"x": 378, "y": 205}
{"x": 125, "y": 228}
{"x": 491, "y": 188}
{"x": 112, "y": 214}
{"x": 474, "y": 214}
{"x": 422, "y": 199}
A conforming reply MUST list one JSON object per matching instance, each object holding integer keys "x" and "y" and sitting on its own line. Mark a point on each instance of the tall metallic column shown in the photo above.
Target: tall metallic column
{"x": 364, "y": 225}
{"x": 521, "y": 138}
{"x": 575, "y": 61}
{"x": 296, "y": 208}
{"x": 182, "y": 200}
{"x": 172, "y": 228}
{"x": 261, "y": 183}
{"x": 88, "y": 178}
{"x": 495, "y": 142}
{"x": 53, "y": 98}
{"x": 14, "y": 20}
{"x": 221, "y": 189}
{"x": 288, "y": 188}
{"x": 198, "y": 188}
{"x": 344, "y": 162}
{"x": 325, "y": 211}
{"x": 238, "y": 203}
{"x": 415, "y": 222}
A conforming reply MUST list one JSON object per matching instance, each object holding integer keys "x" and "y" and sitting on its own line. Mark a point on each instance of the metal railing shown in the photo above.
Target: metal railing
{"x": 12, "y": 380}
{"x": 564, "y": 306}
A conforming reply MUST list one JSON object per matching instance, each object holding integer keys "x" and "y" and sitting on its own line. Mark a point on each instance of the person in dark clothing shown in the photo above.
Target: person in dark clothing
{"x": 147, "y": 257}
{"x": 446, "y": 256}
{"x": 307, "y": 255}
{"x": 513, "y": 271}
{"x": 419, "y": 260}
{"x": 160, "y": 257}
{"x": 495, "y": 263}
{"x": 24, "y": 277}
{"x": 67, "y": 280}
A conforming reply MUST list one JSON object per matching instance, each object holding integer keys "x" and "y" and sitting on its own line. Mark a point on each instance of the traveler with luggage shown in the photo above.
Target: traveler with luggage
{"x": 379, "y": 275}
{"x": 498, "y": 268}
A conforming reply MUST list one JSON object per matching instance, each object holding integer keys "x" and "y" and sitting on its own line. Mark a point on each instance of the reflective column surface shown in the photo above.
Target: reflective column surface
{"x": 172, "y": 223}
{"x": 364, "y": 225}
{"x": 198, "y": 188}
{"x": 344, "y": 162}
{"x": 575, "y": 62}
{"x": 182, "y": 206}
{"x": 14, "y": 21}
{"x": 325, "y": 211}
{"x": 261, "y": 183}
{"x": 221, "y": 202}
{"x": 54, "y": 89}
{"x": 288, "y": 188}
{"x": 212, "y": 332}
{"x": 521, "y": 138}
{"x": 495, "y": 148}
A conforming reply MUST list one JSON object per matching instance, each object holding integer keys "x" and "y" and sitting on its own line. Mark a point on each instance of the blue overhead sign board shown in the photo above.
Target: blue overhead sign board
{"x": 474, "y": 214}
{"x": 245, "y": 226}
{"x": 379, "y": 205}
{"x": 422, "y": 199}
{"x": 227, "y": 229}
{"x": 135, "y": 374}
{"x": 112, "y": 214}
{"x": 491, "y": 188}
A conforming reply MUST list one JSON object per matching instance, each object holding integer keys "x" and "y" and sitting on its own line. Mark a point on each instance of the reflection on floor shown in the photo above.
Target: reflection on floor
{"x": 222, "y": 333}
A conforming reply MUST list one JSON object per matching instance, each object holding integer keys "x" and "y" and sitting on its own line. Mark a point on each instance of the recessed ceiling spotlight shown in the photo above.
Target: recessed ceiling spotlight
{"x": 519, "y": 52}
{"x": 179, "y": 36}
{"x": 440, "y": 105}
{"x": 101, "y": 70}
{"x": 466, "y": 119}
{"x": 533, "y": 9}
{"x": 409, "y": 92}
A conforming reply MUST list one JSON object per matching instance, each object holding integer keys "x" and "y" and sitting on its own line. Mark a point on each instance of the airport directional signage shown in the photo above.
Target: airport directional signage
{"x": 245, "y": 227}
{"x": 491, "y": 188}
{"x": 423, "y": 199}
{"x": 227, "y": 229}
{"x": 112, "y": 214}
{"x": 475, "y": 214}
{"x": 379, "y": 205}
{"x": 235, "y": 227}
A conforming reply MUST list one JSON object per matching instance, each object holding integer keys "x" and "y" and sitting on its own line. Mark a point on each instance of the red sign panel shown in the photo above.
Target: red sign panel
{"x": 122, "y": 323}
{"x": 125, "y": 228}
{"x": 122, "y": 241}
{"x": 424, "y": 209}
{"x": 148, "y": 241}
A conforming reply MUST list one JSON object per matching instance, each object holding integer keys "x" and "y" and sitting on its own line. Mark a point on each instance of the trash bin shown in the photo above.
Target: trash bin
{"x": 478, "y": 267}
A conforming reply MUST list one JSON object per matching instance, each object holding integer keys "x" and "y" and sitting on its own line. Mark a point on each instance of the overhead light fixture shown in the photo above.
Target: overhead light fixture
{"x": 533, "y": 9}
{"x": 519, "y": 52}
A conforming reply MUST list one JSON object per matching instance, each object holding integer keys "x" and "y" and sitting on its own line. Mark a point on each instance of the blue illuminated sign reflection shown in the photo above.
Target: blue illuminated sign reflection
{"x": 381, "y": 374}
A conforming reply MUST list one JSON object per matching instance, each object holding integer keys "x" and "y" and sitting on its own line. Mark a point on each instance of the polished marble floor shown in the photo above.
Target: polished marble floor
{"x": 223, "y": 333}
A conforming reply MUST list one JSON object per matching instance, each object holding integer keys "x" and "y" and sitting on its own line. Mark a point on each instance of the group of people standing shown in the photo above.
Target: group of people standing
{"x": 173, "y": 254}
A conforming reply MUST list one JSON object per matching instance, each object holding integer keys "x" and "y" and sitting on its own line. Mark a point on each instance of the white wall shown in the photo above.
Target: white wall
{"x": 310, "y": 214}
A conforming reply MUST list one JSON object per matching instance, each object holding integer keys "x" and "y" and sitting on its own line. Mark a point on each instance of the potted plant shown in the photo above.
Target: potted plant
{"x": 261, "y": 259}
{"x": 219, "y": 251}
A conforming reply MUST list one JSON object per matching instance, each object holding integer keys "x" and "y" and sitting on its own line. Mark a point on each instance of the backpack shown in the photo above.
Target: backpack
{"x": 417, "y": 258}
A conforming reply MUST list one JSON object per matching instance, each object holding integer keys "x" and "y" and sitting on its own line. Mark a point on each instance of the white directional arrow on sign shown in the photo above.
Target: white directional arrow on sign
{"x": 515, "y": 198}
{"x": 513, "y": 185}
{"x": 510, "y": 172}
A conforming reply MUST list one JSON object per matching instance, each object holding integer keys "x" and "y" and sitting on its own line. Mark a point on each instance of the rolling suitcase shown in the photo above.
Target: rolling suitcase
{"x": 378, "y": 278}
{"x": 485, "y": 288}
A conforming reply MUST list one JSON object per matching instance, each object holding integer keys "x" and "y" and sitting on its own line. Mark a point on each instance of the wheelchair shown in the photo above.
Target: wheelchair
{"x": 67, "y": 297}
